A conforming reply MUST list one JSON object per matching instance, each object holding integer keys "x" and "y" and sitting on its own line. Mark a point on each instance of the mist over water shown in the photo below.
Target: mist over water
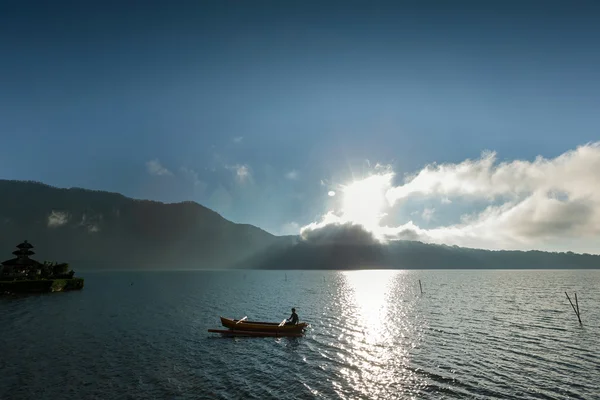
{"x": 471, "y": 334}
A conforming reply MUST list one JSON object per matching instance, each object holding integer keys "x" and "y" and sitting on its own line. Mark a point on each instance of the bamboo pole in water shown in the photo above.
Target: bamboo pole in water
{"x": 577, "y": 305}
{"x": 420, "y": 287}
{"x": 576, "y": 310}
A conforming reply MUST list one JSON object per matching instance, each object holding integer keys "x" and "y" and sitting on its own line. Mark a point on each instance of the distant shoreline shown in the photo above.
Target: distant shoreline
{"x": 93, "y": 271}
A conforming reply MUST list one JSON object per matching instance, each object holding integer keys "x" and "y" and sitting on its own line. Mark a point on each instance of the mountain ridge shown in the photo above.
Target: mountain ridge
{"x": 94, "y": 229}
{"x": 103, "y": 229}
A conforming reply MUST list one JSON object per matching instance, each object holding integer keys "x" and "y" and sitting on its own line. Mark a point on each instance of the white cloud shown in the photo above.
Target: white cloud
{"x": 484, "y": 178}
{"x": 292, "y": 175}
{"x": 541, "y": 204}
{"x": 328, "y": 219}
{"x": 238, "y": 139}
{"x": 242, "y": 172}
{"x": 57, "y": 218}
{"x": 91, "y": 222}
{"x": 154, "y": 167}
{"x": 427, "y": 214}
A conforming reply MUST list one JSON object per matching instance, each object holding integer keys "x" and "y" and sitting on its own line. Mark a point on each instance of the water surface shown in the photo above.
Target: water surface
{"x": 471, "y": 334}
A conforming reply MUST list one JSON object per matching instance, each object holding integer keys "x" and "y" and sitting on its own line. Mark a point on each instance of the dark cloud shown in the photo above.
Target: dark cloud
{"x": 347, "y": 233}
{"x": 405, "y": 234}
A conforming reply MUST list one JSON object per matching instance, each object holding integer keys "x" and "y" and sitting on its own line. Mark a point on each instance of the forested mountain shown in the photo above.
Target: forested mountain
{"x": 101, "y": 230}
{"x": 94, "y": 229}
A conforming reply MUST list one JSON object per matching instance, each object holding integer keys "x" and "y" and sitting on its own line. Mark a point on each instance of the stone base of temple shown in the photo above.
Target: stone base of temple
{"x": 40, "y": 286}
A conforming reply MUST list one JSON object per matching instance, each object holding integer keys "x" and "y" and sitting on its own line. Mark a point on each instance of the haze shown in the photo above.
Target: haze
{"x": 466, "y": 123}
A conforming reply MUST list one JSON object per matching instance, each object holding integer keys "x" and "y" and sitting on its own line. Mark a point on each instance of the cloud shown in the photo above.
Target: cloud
{"x": 91, "y": 222}
{"x": 292, "y": 175}
{"x": 484, "y": 178}
{"x": 427, "y": 214}
{"x": 535, "y": 222}
{"x": 154, "y": 167}
{"x": 242, "y": 172}
{"x": 338, "y": 233}
{"x": 544, "y": 204}
{"x": 238, "y": 139}
{"x": 57, "y": 218}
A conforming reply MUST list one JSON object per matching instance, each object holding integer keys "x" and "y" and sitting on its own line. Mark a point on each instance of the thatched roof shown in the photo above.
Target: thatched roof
{"x": 23, "y": 252}
{"x": 24, "y": 262}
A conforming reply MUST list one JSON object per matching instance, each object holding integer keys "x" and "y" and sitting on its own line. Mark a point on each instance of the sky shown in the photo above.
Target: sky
{"x": 462, "y": 123}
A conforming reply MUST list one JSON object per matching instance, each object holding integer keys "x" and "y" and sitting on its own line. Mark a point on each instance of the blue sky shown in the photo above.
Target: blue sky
{"x": 258, "y": 110}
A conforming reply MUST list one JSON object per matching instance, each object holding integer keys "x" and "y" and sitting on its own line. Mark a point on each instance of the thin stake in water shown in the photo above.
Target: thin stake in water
{"x": 420, "y": 287}
{"x": 576, "y": 310}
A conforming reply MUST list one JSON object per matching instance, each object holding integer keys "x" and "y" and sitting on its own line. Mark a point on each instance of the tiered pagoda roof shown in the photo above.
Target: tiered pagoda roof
{"x": 22, "y": 256}
{"x": 23, "y": 252}
{"x": 25, "y": 245}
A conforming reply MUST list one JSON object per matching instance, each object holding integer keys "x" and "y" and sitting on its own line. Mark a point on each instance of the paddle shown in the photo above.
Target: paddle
{"x": 243, "y": 319}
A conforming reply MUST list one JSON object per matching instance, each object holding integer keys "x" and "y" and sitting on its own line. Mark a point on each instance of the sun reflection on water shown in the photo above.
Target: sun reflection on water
{"x": 369, "y": 296}
{"x": 380, "y": 331}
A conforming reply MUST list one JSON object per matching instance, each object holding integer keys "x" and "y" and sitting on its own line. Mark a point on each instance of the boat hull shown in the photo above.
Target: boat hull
{"x": 233, "y": 332}
{"x": 264, "y": 327}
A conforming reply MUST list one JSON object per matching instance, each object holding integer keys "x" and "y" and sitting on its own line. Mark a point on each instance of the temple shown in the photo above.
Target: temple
{"x": 26, "y": 275}
{"x": 22, "y": 266}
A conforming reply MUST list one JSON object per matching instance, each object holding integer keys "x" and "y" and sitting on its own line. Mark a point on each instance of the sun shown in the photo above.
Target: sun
{"x": 364, "y": 201}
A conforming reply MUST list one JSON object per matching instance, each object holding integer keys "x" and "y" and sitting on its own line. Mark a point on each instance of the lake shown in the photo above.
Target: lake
{"x": 502, "y": 334}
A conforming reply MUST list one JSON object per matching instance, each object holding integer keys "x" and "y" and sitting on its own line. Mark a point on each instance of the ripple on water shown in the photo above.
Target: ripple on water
{"x": 472, "y": 334}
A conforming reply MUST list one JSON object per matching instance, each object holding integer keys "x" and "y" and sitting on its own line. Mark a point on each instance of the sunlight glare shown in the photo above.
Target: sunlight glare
{"x": 365, "y": 200}
{"x": 370, "y": 292}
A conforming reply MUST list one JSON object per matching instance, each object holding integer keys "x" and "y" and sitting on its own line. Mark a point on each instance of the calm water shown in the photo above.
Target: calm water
{"x": 472, "y": 334}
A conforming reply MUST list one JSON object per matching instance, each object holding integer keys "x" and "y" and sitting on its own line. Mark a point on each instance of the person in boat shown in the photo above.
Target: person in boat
{"x": 293, "y": 319}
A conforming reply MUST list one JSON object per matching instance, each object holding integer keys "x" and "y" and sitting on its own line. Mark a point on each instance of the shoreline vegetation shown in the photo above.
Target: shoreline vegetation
{"x": 41, "y": 286}
{"x": 23, "y": 274}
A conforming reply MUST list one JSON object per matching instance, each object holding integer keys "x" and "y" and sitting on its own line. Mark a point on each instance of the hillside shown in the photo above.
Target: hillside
{"x": 414, "y": 255}
{"x": 94, "y": 229}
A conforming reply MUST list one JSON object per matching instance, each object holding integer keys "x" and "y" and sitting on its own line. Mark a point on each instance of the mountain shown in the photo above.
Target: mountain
{"x": 404, "y": 254}
{"x": 94, "y": 229}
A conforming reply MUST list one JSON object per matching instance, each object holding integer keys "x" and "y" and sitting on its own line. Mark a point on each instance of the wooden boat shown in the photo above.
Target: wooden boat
{"x": 279, "y": 329}
{"x": 233, "y": 332}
